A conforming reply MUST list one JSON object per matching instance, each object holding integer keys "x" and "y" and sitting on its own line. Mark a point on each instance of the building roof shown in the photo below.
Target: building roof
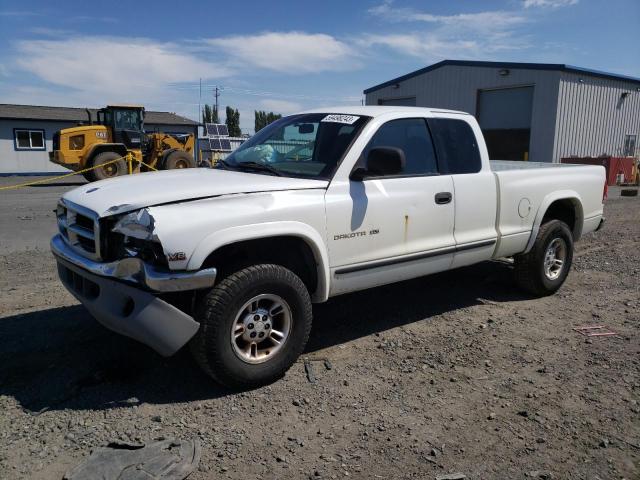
{"x": 512, "y": 65}
{"x": 69, "y": 114}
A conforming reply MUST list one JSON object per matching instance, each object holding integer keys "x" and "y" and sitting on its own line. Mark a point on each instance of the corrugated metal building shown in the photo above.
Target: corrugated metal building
{"x": 35, "y": 125}
{"x": 535, "y": 111}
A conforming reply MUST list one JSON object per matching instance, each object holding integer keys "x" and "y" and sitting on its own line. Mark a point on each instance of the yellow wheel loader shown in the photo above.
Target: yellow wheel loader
{"x": 119, "y": 131}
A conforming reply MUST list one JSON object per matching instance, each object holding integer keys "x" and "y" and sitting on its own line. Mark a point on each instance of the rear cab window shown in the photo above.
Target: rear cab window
{"x": 456, "y": 146}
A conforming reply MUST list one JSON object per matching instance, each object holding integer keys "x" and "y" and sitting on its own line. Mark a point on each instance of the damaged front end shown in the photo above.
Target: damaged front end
{"x": 124, "y": 247}
{"x": 117, "y": 268}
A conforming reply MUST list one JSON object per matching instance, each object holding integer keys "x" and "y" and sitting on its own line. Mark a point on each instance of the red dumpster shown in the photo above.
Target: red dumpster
{"x": 615, "y": 166}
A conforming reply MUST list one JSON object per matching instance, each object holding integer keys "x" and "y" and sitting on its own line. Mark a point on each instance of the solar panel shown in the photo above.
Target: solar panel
{"x": 212, "y": 129}
{"x": 225, "y": 144}
{"x": 215, "y": 144}
{"x": 223, "y": 131}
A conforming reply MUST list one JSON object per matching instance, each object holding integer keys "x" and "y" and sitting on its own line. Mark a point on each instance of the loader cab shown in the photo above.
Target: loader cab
{"x": 126, "y": 123}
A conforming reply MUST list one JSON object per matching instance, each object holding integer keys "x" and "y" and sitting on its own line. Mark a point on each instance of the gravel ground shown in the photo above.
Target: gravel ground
{"x": 457, "y": 372}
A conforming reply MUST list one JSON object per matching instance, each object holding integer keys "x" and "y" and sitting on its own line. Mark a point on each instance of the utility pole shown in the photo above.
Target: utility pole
{"x": 200, "y": 102}
{"x": 216, "y": 94}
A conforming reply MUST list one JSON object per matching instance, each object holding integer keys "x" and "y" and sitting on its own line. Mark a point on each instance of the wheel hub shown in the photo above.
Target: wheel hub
{"x": 554, "y": 258}
{"x": 257, "y": 326}
{"x": 261, "y": 328}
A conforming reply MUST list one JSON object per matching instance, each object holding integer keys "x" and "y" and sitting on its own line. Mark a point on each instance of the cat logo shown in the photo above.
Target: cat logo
{"x": 101, "y": 134}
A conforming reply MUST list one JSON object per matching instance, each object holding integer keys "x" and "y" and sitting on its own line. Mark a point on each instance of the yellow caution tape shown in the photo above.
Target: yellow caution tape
{"x": 127, "y": 157}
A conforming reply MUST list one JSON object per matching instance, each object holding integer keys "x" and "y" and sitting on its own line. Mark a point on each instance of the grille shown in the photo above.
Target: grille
{"x": 80, "y": 227}
{"x": 80, "y": 285}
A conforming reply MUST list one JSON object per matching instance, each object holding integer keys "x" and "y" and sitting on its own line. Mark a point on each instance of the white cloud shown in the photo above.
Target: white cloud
{"x": 478, "y": 21}
{"x": 466, "y": 35}
{"x": 548, "y": 3}
{"x": 112, "y": 66}
{"x": 287, "y": 52}
{"x": 280, "y": 106}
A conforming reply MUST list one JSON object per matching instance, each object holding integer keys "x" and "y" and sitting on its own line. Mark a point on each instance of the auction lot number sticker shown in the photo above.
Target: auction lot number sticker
{"x": 337, "y": 118}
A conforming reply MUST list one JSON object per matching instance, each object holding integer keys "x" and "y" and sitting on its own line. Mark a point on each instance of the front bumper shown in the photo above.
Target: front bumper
{"x": 106, "y": 291}
{"x": 130, "y": 311}
{"x": 135, "y": 271}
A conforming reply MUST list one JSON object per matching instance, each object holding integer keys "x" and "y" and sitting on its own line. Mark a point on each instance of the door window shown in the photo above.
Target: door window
{"x": 412, "y": 137}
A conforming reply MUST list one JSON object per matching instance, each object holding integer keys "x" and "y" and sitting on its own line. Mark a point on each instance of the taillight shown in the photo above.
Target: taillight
{"x": 605, "y": 191}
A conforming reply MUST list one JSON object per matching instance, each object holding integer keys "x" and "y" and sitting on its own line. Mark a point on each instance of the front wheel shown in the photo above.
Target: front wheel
{"x": 253, "y": 326}
{"x": 178, "y": 159}
{"x": 544, "y": 269}
{"x": 106, "y": 165}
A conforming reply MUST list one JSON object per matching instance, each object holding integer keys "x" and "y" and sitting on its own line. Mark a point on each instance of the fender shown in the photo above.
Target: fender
{"x": 263, "y": 230}
{"x": 544, "y": 206}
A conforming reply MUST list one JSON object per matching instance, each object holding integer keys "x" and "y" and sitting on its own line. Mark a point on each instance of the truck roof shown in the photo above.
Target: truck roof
{"x": 377, "y": 110}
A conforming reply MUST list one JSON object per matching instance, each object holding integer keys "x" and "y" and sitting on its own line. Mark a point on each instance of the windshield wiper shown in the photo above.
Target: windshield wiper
{"x": 263, "y": 167}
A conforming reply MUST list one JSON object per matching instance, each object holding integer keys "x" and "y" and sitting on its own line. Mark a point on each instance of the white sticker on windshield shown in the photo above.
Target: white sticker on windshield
{"x": 337, "y": 118}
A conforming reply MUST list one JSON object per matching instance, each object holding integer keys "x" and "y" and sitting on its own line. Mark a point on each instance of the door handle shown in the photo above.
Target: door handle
{"x": 443, "y": 198}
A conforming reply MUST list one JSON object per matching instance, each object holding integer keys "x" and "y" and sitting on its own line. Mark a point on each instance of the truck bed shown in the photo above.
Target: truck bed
{"x": 524, "y": 195}
{"x": 502, "y": 165}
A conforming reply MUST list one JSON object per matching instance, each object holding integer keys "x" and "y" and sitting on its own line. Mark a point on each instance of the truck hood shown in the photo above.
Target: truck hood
{"x": 131, "y": 192}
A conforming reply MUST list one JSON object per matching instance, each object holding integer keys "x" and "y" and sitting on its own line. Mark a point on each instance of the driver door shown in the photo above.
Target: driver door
{"x": 386, "y": 229}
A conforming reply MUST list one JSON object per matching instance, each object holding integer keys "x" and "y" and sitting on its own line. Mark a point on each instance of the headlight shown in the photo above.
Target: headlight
{"x": 76, "y": 142}
{"x": 137, "y": 224}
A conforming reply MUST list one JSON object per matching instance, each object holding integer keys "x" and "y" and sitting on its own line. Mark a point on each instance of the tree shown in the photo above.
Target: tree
{"x": 262, "y": 119}
{"x": 210, "y": 114}
{"x": 233, "y": 122}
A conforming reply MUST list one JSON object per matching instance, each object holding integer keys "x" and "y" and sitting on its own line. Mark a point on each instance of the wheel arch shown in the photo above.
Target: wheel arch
{"x": 295, "y": 236}
{"x": 563, "y": 205}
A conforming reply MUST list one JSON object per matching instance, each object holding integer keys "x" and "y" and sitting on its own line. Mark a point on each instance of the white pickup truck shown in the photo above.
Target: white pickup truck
{"x": 315, "y": 205}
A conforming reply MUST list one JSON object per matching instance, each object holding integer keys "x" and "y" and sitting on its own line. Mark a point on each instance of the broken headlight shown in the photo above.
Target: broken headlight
{"x": 133, "y": 235}
{"x": 138, "y": 224}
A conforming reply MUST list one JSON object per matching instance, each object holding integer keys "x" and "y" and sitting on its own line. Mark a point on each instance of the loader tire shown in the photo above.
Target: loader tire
{"x": 179, "y": 159}
{"x": 111, "y": 170}
{"x": 543, "y": 270}
{"x": 254, "y": 324}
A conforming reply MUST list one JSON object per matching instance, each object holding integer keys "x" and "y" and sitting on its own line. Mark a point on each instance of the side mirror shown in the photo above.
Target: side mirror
{"x": 381, "y": 162}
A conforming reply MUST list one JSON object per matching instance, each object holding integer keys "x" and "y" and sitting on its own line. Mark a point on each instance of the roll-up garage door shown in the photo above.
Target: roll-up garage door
{"x": 504, "y": 115}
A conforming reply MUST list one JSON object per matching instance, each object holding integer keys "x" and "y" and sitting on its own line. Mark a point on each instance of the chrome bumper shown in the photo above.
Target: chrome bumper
{"x": 135, "y": 271}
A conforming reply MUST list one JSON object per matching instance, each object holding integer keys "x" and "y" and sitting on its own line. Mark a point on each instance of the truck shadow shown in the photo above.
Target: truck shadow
{"x": 63, "y": 359}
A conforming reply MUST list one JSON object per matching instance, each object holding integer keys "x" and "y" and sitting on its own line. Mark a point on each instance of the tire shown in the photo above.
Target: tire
{"x": 178, "y": 159}
{"x": 109, "y": 171}
{"x": 538, "y": 272}
{"x": 223, "y": 346}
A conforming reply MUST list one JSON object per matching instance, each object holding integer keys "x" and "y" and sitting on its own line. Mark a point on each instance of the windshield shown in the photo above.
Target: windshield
{"x": 309, "y": 145}
{"x": 128, "y": 120}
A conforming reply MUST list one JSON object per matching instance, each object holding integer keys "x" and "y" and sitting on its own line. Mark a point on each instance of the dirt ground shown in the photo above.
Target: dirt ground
{"x": 458, "y": 372}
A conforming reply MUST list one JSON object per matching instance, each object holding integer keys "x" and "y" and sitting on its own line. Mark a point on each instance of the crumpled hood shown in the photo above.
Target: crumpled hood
{"x": 131, "y": 192}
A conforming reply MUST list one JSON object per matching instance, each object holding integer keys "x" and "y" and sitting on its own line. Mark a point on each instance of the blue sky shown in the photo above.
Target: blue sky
{"x": 286, "y": 55}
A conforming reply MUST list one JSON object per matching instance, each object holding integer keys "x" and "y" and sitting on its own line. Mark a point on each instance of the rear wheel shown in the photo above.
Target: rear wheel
{"x": 253, "y": 326}
{"x": 110, "y": 170}
{"x": 544, "y": 269}
{"x": 179, "y": 159}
